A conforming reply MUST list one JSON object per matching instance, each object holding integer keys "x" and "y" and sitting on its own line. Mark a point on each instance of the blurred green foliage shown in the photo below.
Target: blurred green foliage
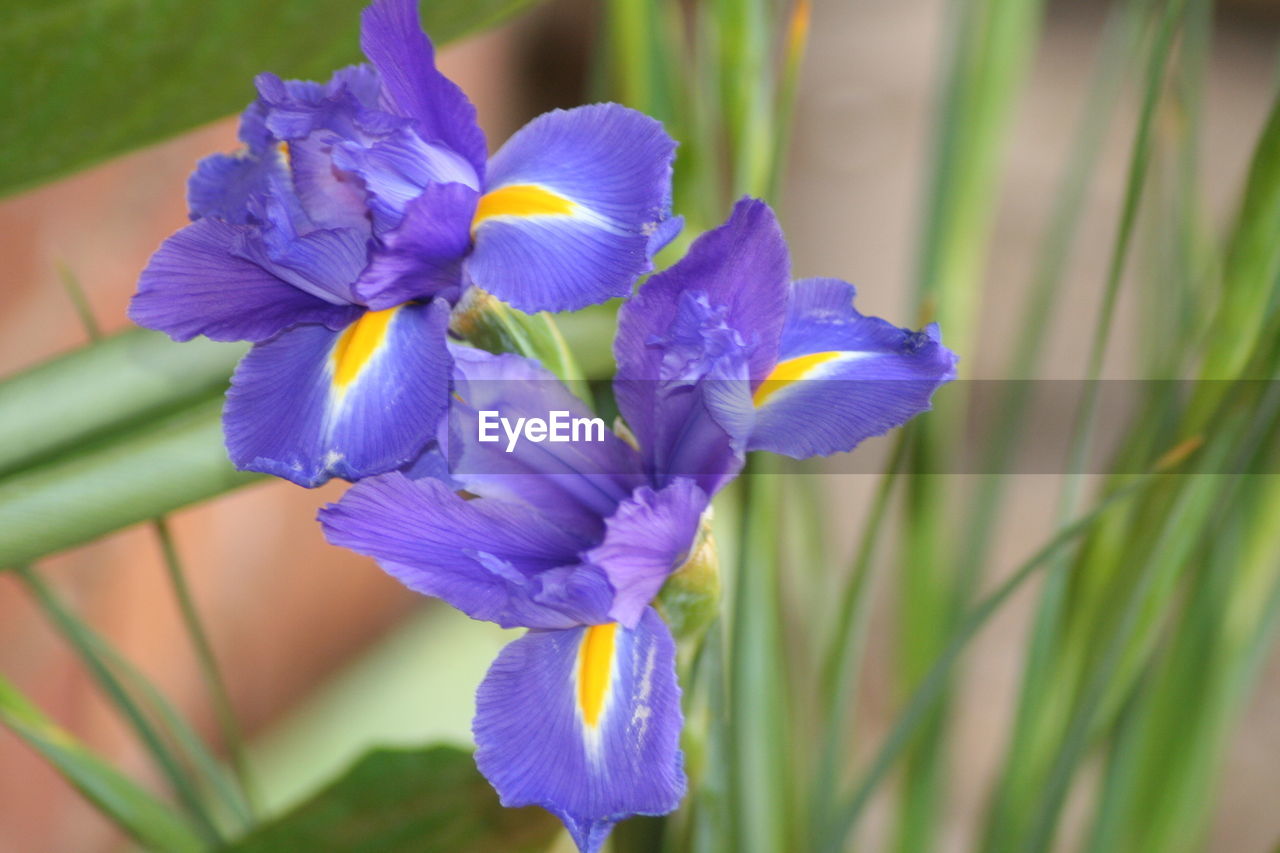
{"x": 405, "y": 801}
{"x": 87, "y": 79}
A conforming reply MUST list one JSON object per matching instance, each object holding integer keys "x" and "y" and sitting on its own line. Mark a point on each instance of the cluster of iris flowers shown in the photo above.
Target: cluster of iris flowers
{"x": 340, "y": 241}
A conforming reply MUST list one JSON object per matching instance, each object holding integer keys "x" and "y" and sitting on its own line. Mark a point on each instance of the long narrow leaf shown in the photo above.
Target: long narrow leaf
{"x": 134, "y": 810}
{"x": 173, "y": 463}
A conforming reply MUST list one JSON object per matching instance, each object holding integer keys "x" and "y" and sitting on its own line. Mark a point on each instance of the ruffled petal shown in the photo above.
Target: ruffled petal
{"x": 310, "y": 119}
{"x": 648, "y": 538}
{"x": 195, "y": 285}
{"x": 577, "y": 483}
{"x": 391, "y": 36}
{"x": 312, "y": 404}
{"x": 571, "y": 204}
{"x": 422, "y": 256}
{"x": 395, "y": 171}
{"x": 222, "y": 184}
{"x": 689, "y": 341}
{"x": 843, "y": 377}
{"x": 324, "y": 262}
{"x": 585, "y": 723}
{"x": 493, "y": 560}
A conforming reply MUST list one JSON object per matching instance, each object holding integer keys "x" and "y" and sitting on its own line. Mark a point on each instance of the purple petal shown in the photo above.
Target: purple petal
{"x": 594, "y": 190}
{"x": 323, "y": 262}
{"x": 395, "y": 171}
{"x": 312, "y": 118}
{"x": 493, "y": 560}
{"x": 541, "y": 741}
{"x": 391, "y": 36}
{"x": 195, "y": 285}
{"x": 743, "y": 269}
{"x": 312, "y": 404}
{"x": 691, "y": 337}
{"x": 422, "y": 256}
{"x": 648, "y": 538}
{"x": 577, "y": 483}
{"x": 846, "y": 377}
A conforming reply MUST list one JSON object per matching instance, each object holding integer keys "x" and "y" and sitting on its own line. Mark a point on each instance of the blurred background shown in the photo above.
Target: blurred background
{"x": 315, "y": 641}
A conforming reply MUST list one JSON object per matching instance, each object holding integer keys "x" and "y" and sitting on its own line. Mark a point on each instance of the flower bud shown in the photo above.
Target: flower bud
{"x": 690, "y": 599}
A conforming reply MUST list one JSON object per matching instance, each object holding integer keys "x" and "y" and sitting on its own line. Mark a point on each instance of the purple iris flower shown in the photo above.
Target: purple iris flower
{"x": 574, "y": 540}
{"x": 358, "y": 212}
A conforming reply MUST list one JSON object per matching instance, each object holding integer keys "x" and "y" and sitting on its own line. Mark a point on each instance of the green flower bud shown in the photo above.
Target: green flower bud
{"x": 690, "y": 599}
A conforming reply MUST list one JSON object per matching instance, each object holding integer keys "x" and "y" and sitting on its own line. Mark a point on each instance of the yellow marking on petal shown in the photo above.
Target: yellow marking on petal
{"x": 520, "y": 200}
{"x": 358, "y": 343}
{"x": 791, "y": 370}
{"x": 285, "y": 153}
{"x": 595, "y": 669}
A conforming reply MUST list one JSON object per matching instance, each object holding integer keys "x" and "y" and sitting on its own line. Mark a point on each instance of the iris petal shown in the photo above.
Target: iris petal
{"x": 571, "y": 203}
{"x": 194, "y": 285}
{"x": 391, "y": 36}
{"x": 577, "y": 483}
{"x": 586, "y": 723}
{"x": 843, "y": 377}
{"x": 312, "y": 404}
{"x": 692, "y": 336}
{"x": 647, "y": 539}
{"x": 422, "y": 256}
{"x": 493, "y": 560}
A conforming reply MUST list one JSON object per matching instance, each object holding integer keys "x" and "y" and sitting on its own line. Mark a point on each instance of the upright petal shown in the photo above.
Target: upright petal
{"x": 571, "y": 204}
{"x": 585, "y": 723}
{"x": 493, "y": 560}
{"x": 422, "y": 256}
{"x": 648, "y": 538}
{"x": 391, "y": 36}
{"x": 195, "y": 285}
{"x": 312, "y": 404}
{"x": 692, "y": 336}
{"x": 843, "y": 377}
{"x": 222, "y": 184}
{"x": 395, "y": 171}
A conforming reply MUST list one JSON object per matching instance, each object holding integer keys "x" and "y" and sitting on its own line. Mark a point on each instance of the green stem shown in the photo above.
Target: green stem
{"x": 224, "y": 711}
{"x": 214, "y": 682}
{"x": 81, "y": 640}
{"x": 935, "y": 682}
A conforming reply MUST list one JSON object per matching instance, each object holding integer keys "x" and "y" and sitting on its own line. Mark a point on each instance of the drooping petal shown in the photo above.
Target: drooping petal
{"x": 689, "y": 340}
{"x": 195, "y": 285}
{"x": 571, "y": 203}
{"x": 493, "y": 560}
{"x": 648, "y": 538}
{"x": 422, "y": 256}
{"x": 578, "y": 482}
{"x": 843, "y": 377}
{"x": 312, "y": 404}
{"x": 585, "y": 723}
{"x": 391, "y": 36}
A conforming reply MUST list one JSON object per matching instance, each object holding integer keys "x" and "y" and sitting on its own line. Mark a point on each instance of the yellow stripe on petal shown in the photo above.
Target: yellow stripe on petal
{"x": 791, "y": 370}
{"x": 595, "y": 670}
{"x": 358, "y": 343}
{"x": 520, "y": 200}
